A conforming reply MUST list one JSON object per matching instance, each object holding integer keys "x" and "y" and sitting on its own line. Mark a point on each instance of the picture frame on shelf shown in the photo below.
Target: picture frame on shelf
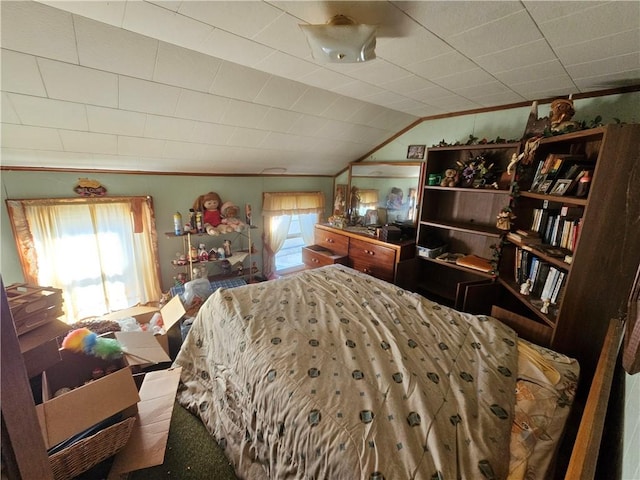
{"x": 561, "y": 187}
{"x": 545, "y": 186}
{"x": 416, "y": 152}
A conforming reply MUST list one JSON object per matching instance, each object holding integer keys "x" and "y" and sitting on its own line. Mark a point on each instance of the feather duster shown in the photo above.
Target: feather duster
{"x": 83, "y": 340}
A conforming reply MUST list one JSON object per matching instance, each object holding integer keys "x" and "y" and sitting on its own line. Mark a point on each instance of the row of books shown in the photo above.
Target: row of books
{"x": 562, "y": 174}
{"x": 558, "y": 227}
{"x": 546, "y": 280}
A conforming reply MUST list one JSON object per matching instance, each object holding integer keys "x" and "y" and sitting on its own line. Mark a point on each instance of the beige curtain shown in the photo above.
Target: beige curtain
{"x": 277, "y": 208}
{"x": 102, "y": 252}
{"x": 368, "y": 200}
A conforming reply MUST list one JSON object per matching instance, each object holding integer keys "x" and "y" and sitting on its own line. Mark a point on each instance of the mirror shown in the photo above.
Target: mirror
{"x": 381, "y": 193}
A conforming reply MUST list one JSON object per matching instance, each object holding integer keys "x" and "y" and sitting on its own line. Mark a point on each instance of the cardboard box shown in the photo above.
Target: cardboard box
{"x": 142, "y": 349}
{"x": 75, "y": 411}
{"x": 171, "y": 313}
{"x": 39, "y": 347}
{"x": 148, "y": 440}
{"x": 86, "y": 405}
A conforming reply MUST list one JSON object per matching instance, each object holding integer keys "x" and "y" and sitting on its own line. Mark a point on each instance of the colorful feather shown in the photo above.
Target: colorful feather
{"x": 83, "y": 340}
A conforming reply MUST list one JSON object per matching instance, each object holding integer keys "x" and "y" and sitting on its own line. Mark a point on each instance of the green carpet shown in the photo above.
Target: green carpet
{"x": 192, "y": 453}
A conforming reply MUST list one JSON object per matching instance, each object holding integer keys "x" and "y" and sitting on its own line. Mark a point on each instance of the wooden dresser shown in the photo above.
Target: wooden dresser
{"x": 388, "y": 261}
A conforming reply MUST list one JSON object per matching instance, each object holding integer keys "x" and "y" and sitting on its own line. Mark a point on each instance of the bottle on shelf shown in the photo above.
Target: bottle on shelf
{"x": 177, "y": 223}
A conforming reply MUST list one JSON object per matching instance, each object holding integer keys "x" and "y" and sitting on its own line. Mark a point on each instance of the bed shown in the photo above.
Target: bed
{"x": 331, "y": 374}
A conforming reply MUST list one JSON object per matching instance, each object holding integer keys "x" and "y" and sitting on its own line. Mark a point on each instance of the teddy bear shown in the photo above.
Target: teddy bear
{"x": 209, "y": 205}
{"x": 450, "y": 178}
{"x": 230, "y": 221}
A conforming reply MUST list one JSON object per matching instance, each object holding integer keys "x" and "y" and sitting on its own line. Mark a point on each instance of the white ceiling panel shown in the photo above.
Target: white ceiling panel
{"x": 86, "y": 142}
{"x": 140, "y": 146}
{"x": 185, "y": 68}
{"x": 20, "y": 74}
{"x": 119, "y": 122}
{"x": 169, "y": 128}
{"x": 148, "y": 97}
{"x": 27, "y": 137}
{"x": 147, "y": 19}
{"x": 33, "y": 28}
{"x": 65, "y": 81}
{"x": 230, "y": 86}
{"x": 44, "y": 112}
{"x": 113, "y": 49}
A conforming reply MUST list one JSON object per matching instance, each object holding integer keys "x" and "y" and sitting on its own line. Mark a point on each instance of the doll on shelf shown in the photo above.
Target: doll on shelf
{"x": 230, "y": 221}
{"x": 209, "y": 205}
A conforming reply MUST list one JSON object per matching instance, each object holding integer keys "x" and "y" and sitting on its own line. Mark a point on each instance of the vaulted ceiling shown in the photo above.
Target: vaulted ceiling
{"x": 231, "y": 87}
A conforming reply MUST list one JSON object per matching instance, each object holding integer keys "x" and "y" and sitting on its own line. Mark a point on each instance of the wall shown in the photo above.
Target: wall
{"x": 169, "y": 193}
{"x": 631, "y": 442}
{"x": 506, "y": 124}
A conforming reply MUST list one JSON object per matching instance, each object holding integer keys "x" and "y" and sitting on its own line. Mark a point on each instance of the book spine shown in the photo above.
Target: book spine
{"x": 555, "y": 294}
{"x": 549, "y": 284}
{"x": 541, "y": 278}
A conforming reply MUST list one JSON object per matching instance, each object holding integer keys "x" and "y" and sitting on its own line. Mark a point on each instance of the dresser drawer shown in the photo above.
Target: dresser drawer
{"x": 372, "y": 259}
{"x": 317, "y": 256}
{"x": 338, "y": 244}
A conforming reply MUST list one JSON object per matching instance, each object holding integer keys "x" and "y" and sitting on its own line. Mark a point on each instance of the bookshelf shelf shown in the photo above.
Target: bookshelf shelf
{"x": 555, "y": 198}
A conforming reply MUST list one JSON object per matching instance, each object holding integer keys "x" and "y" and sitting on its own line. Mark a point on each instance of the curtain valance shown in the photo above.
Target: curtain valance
{"x": 289, "y": 203}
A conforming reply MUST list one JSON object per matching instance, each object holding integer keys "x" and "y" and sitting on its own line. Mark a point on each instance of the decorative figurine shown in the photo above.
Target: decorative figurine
{"x": 247, "y": 213}
{"x": 561, "y": 113}
{"x": 525, "y": 288}
{"x": 180, "y": 279}
{"x": 227, "y": 248}
{"x": 450, "y": 178}
{"x": 504, "y": 219}
{"x": 203, "y": 255}
{"x": 545, "y": 305}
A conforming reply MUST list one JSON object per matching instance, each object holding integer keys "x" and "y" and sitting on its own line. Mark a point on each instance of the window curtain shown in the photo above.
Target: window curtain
{"x": 368, "y": 200}
{"x": 277, "y": 208}
{"x": 102, "y": 253}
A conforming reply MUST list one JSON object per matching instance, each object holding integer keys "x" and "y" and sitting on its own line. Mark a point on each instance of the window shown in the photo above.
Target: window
{"x": 289, "y": 218}
{"x": 290, "y": 255}
{"x": 102, "y": 252}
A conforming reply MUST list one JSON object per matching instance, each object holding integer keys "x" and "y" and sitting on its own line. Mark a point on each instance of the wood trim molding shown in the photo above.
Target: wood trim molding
{"x": 584, "y": 457}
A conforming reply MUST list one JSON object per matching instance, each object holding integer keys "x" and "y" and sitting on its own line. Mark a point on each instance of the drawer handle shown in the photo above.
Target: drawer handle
{"x": 369, "y": 252}
{"x": 315, "y": 260}
{"x": 329, "y": 240}
{"x": 366, "y": 270}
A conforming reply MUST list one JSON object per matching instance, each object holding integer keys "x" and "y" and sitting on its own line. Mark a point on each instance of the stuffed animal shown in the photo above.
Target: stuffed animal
{"x": 450, "y": 178}
{"x": 230, "y": 221}
{"x": 209, "y": 205}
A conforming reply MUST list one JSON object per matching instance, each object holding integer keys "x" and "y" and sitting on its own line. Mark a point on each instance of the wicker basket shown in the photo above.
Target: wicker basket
{"x": 87, "y": 453}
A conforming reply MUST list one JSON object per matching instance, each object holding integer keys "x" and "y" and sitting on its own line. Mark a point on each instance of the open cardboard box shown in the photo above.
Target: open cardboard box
{"x": 151, "y": 401}
{"x": 88, "y": 403}
{"x": 171, "y": 313}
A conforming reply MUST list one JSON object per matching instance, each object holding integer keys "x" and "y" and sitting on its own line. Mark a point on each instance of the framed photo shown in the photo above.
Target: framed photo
{"x": 416, "y": 152}
{"x": 561, "y": 187}
{"x": 545, "y": 186}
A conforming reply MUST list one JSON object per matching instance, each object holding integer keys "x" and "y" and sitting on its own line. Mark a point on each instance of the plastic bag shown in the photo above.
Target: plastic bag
{"x": 199, "y": 287}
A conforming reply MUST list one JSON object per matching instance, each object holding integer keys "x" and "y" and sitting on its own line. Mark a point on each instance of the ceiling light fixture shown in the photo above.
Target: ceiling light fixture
{"x": 341, "y": 40}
